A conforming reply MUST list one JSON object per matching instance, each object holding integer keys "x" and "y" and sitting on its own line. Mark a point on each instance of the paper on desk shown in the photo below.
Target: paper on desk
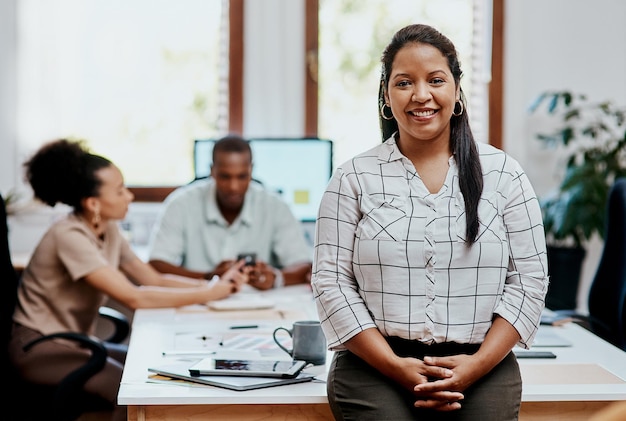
{"x": 259, "y": 342}
{"x": 264, "y": 314}
{"x": 238, "y": 302}
{"x": 157, "y": 378}
{"x": 549, "y": 338}
{"x": 567, "y": 374}
{"x": 287, "y": 303}
{"x": 198, "y": 340}
{"x": 225, "y": 353}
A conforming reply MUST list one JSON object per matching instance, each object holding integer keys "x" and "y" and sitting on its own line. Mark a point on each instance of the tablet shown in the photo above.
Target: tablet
{"x": 285, "y": 369}
{"x": 524, "y": 353}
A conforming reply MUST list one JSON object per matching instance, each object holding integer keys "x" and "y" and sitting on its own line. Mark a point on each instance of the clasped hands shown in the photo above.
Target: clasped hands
{"x": 438, "y": 382}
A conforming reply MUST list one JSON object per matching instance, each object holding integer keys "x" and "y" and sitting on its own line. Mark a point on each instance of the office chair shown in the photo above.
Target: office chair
{"x": 66, "y": 401}
{"x": 607, "y": 294}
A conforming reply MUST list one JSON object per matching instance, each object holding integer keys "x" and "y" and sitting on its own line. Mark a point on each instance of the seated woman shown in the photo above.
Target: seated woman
{"x": 82, "y": 260}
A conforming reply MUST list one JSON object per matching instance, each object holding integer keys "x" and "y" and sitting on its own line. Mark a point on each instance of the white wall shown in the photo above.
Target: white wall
{"x": 274, "y": 68}
{"x": 573, "y": 45}
{"x": 549, "y": 44}
{"x": 553, "y": 45}
{"x": 8, "y": 118}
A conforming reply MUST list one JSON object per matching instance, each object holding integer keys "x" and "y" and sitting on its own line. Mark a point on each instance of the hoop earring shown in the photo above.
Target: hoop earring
{"x": 382, "y": 112}
{"x": 96, "y": 219}
{"x": 462, "y": 108}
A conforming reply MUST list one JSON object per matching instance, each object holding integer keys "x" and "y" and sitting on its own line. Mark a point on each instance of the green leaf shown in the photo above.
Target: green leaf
{"x": 553, "y": 103}
{"x": 537, "y": 102}
{"x": 573, "y": 113}
{"x": 567, "y": 134}
{"x": 596, "y": 156}
{"x": 567, "y": 98}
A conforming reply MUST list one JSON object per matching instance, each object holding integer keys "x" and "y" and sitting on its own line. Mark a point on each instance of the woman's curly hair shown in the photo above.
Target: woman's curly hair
{"x": 64, "y": 171}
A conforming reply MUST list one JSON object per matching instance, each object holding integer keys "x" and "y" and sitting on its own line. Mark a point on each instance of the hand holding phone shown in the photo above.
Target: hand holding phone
{"x": 249, "y": 258}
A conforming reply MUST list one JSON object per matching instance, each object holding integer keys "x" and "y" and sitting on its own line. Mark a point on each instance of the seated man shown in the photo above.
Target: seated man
{"x": 204, "y": 226}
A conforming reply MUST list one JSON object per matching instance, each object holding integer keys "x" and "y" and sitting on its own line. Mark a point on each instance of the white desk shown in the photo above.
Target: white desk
{"x": 155, "y": 331}
{"x": 581, "y": 380}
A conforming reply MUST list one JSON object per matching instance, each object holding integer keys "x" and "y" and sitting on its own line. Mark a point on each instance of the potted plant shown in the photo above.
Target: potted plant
{"x": 592, "y": 138}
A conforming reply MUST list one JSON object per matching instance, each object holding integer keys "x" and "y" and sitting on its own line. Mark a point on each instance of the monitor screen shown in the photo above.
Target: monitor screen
{"x": 296, "y": 168}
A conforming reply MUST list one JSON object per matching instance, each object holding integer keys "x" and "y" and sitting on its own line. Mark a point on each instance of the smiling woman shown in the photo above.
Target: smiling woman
{"x": 415, "y": 243}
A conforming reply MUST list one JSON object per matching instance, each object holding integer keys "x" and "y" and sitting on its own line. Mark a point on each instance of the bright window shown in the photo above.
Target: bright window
{"x": 352, "y": 36}
{"x": 139, "y": 79}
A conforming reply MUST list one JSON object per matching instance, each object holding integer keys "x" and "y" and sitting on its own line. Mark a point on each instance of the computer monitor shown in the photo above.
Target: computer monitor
{"x": 296, "y": 168}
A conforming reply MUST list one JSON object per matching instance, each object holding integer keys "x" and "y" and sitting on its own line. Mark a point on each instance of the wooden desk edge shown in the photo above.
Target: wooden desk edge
{"x": 309, "y": 412}
{"x": 530, "y": 411}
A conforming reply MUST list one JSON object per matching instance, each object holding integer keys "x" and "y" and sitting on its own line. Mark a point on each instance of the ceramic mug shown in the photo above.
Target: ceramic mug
{"x": 309, "y": 342}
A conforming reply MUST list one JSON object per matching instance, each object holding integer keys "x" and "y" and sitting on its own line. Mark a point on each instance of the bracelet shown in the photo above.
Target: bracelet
{"x": 279, "y": 279}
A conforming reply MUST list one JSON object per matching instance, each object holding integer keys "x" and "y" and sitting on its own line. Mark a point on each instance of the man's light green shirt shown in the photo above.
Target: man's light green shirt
{"x": 192, "y": 232}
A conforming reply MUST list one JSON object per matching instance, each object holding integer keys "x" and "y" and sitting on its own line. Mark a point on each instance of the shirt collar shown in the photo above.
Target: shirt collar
{"x": 213, "y": 214}
{"x": 390, "y": 152}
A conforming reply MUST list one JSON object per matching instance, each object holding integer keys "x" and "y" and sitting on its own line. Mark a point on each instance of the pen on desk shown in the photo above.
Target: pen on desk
{"x": 245, "y": 327}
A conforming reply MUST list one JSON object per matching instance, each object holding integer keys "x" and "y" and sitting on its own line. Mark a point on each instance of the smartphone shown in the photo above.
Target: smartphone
{"x": 250, "y": 258}
{"x": 533, "y": 354}
{"x": 247, "y": 367}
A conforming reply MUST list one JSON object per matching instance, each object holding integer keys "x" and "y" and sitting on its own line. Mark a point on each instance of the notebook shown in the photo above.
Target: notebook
{"x": 180, "y": 371}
